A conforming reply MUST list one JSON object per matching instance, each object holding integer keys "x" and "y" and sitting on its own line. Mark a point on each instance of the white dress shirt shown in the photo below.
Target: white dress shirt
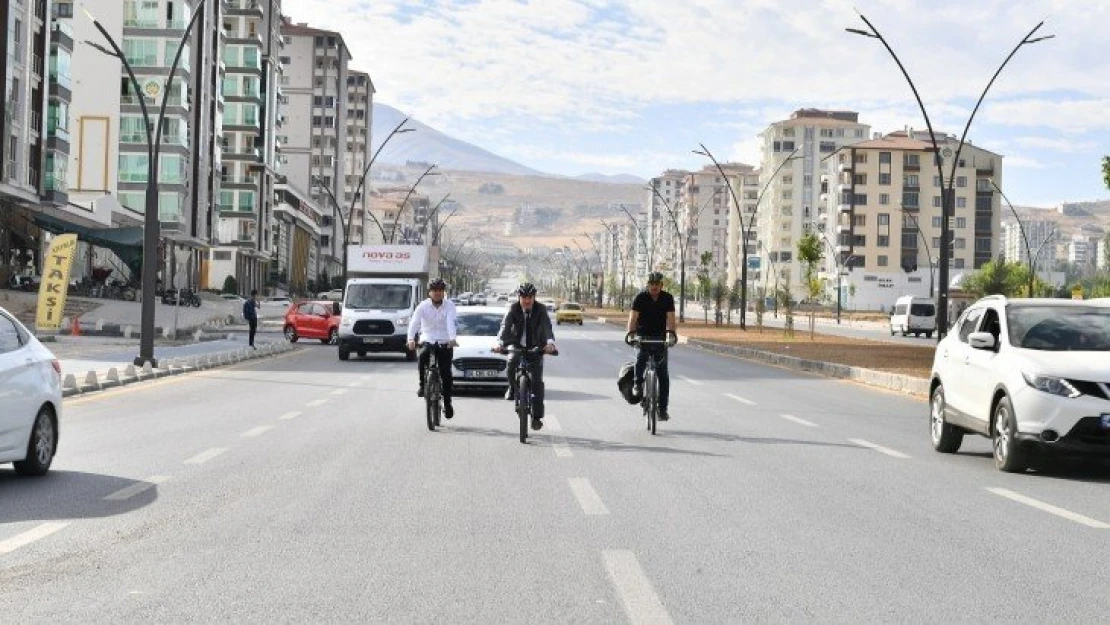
{"x": 435, "y": 324}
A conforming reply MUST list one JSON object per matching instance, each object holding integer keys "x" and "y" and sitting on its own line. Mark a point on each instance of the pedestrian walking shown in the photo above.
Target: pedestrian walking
{"x": 250, "y": 313}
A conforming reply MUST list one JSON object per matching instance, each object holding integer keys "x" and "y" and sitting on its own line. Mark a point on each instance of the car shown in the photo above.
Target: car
{"x": 31, "y": 396}
{"x": 334, "y": 295}
{"x": 278, "y": 301}
{"x": 233, "y": 298}
{"x": 474, "y": 366}
{"x": 568, "y": 312}
{"x": 1033, "y": 375}
{"x": 913, "y": 315}
{"x": 313, "y": 320}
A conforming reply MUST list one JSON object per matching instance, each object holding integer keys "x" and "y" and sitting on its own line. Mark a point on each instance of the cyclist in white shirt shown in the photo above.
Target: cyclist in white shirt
{"x": 434, "y": 321}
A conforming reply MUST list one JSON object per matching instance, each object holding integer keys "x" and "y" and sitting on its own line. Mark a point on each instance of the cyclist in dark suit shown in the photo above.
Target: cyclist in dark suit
{"x": 652, "y": 317}
{"x": 527, "y": 325}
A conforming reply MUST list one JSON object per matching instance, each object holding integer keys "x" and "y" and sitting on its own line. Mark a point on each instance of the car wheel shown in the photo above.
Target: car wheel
{"x": 291, "y": 334}
{"x": 892, "y": 330}
{"x": 1008, "y": 453}
{"x": 928, "y": 335}
{"x": 41, "y": 446}
{"x": 905, "y": 331}
{"x": 344, "y": 354}
{"x": 947, "y": 438}
{"x": 333, "y": 338}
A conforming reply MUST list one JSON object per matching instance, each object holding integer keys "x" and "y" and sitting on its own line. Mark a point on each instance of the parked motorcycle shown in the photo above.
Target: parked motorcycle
{"x": 187, "y": 298}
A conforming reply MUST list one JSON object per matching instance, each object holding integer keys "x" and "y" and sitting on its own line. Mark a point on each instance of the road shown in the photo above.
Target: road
{"x": 304, "y": 489}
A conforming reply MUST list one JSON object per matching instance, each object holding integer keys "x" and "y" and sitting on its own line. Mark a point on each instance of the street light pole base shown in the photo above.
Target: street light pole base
{"x": 140, "y": 361}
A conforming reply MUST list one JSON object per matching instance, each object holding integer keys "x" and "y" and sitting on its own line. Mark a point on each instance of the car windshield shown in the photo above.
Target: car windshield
{"x": 478, "y": 324}
{"x": 1059, "y": 328}
{"x": 379, "y": 296}
{"x": 570, "y": 307}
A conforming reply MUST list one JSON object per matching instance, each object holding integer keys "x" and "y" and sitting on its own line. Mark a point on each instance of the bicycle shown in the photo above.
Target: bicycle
{"x": 433, "y": 387}
{"x": 650, "y": 401}
{"x": 524, "y": 397}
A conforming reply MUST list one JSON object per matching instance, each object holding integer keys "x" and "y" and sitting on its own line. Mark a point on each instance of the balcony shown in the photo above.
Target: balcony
{"x": 241, "y": 154}
{"x": 843, "y": 188}
{"x": 824, "y": 178}
{"x": 249, "y": 182}
{"x": 844, "y": 208}
{"x": 844, "y": 167}
{"x": 36, "y": 65}
{"x": 246, "y": 8}
{"x": 843, "y": 228}
{"x": 824, "y": 197}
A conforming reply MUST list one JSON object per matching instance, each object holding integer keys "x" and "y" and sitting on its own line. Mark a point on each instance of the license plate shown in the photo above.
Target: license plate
{"x": 481, "y": 374}
{"x": 373, "y": 339}
{"x": 1104, "y": 421}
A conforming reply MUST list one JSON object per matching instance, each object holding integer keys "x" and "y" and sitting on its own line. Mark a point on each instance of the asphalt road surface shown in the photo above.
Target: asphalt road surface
{"x": 304, "y": 489}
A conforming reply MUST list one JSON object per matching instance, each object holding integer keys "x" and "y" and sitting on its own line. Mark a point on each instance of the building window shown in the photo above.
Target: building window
{"x": 884, "y": 158}
{"x": 960, "y": 244}
{"x": 961, "y": 181}
{"x": 827, "y": 147}
{"x": 884, "y": 178}
{"x": 883, "y": 240}
{"x": 961, "y": 222}
{"x": 861, "y": 157}
{"x": 936, "y": 243}
{"x": 936, "y": 201}
{"x": 911, "y": 160}
{"x": 884, "y": 199}
{"x": 958, "y": 263}
{"x": 961, "y": 202}
{"x": 882, "y": 261}
{"x": 318, "y": 42}
{"x": 860, "y": 199}
{"x": 859, "y": 179}
{"x": 911, "y": 180}
{"x": 937, "y": 222}
{"x": 884, "y": 219}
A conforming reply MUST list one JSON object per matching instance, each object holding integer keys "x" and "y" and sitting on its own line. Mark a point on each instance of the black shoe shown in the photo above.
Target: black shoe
{"x": 510, "y": 394}
{"x": 448, "y": 411}
{"x": 537, "y": 424}
{"x": 663, "y": 416}
{"x": 420, "y": 392}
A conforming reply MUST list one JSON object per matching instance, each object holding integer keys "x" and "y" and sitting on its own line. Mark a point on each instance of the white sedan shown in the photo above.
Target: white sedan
{"x": 31, "y": 399}
{"x": 474, "y": 365}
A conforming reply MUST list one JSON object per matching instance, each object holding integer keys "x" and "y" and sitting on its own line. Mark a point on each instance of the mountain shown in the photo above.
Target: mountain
{"x": 611, "y": 179}
{"x": 428, "y": 145}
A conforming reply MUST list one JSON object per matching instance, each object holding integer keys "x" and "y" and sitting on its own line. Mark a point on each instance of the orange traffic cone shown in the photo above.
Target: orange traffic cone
{"x": 75, "y": 327}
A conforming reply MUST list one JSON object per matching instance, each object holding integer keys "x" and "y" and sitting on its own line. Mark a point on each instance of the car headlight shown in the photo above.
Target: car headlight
{"x": 346, "y": 321}
{"x": 1051, "y": 385}
{"x": 402, "y": 322}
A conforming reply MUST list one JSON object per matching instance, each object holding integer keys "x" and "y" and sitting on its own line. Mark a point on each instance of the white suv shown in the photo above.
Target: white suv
{"x": 1031, "y": 374}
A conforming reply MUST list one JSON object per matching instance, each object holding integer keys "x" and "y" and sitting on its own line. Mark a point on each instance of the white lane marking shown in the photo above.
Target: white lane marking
{"x": 339, "y": 391}
{"x": 354, "y": 384}
{"x": 561, "y": 449}
{"x": 365, "y": 378}
{"x": 253, "y": 432}
{"x": 742, "y": 400}
{"x": 205, "y": 456}
{"x": 587, "y": 497}
{"x": 316, "y": 402}
{"x": 290, "y": 415}
{"x": 790, "y": 417}
{"x": 135, "y": 489}
{"x": 641, "y": 604}
{"x": 692, "y": 381}
{"x": 1049, "y": 508}
{"x": 552, "y": 424}
{"x": 21, "y": 540}
{"x": 879, "y": 448}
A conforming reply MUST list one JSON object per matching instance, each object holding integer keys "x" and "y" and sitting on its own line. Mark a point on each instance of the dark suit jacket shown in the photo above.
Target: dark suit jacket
{"x": 539, "y": 326}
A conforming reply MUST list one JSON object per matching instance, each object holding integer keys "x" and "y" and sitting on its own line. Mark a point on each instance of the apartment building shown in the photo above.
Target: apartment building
{"x": 34, "y": 143}
{"x": 790, "y": 206}
{"x": 297, "y": 229}
{"x": 882, "y": 216}
{"x": 360, "y": 117}
{"x": 246, "y": 236}
{"x": 746, "y": 186}
{"x": 702, "y": 217}
{"x": 1041, "y": 235}
{"x": 314, "y": 133}
{"x": 660, "y": 236}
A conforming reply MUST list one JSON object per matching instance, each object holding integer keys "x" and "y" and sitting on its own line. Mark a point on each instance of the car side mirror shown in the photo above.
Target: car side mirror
{"x": 981, "y": 340}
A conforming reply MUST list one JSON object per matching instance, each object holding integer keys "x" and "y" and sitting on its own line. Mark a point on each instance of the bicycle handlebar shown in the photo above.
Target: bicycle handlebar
{"x": 634, "y": 341}
{"x": 535, "y": 350}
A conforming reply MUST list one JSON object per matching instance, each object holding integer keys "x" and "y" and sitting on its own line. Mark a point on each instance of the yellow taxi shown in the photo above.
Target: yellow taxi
{"x": 569, "y": 312}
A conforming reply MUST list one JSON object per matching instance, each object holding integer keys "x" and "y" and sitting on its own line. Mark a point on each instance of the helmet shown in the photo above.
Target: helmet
{"x": 437, "y": 284}
{"x": 655, "y": 278}
{"x": 526, "y": 289}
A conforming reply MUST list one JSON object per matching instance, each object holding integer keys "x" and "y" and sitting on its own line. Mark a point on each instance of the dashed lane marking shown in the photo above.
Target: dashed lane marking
{"x": 258, "y": 431}
{"x": 205, "y": 456}
{"x": 879, "y": 448}
{"x": 587, "y": 497}
{"x": 26, "y": 538}
{"x": 641, "y": 604}
{"x": 742, "y": 400}
{"x": 799, "y": 420}
{"x": 136, "y": 488}
{"x": 316, "y": 402}
{"x": 692, "y": 380}
{"x": 290, "y": 415}
{"x": 1049, "y": 508}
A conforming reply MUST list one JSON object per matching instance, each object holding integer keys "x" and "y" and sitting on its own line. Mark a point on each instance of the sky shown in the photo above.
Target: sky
{"x": 632, "y": 86}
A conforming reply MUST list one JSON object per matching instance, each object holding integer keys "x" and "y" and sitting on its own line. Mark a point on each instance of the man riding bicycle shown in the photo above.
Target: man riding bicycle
{"x": 652, "y": 318}
{"x": 434, "y": 320}
{"x": 527, "y": 325}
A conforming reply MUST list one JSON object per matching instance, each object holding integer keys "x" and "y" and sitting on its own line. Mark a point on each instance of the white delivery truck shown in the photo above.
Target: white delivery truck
{"x": 384, "y": 285}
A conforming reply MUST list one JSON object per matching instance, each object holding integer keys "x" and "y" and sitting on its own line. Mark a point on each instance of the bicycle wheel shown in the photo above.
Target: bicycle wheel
{"x": 431, "y": 399}
{"x": 651, "y": 392}
{"x": 524, "y": 405}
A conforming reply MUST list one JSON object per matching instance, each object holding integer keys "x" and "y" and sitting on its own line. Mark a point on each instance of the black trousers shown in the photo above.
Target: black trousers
{"x": 443, "y": 357}
{"x": 254, "y": 328}
{"x": 661, "y": 372}
{"x": 536, "y": 360}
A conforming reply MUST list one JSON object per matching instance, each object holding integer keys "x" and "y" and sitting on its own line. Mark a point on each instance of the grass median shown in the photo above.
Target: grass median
{"x": 911, "y": 360}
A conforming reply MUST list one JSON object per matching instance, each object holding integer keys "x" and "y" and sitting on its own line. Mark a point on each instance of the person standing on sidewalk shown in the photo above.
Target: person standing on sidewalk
{"x": 250, "y": 313}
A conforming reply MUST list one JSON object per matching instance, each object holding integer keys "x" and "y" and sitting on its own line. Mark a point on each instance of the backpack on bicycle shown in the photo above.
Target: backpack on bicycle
{"x": 626, "y": 383}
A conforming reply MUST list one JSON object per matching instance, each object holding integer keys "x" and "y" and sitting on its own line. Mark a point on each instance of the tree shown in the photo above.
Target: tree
{"x": 782, "y": 296}
{"x": 998, "y": 277}
{"x": 720, "y": 294}
{"x": 733, "y": 299}
{"x": 230, "y": 285}
{"x": 810, "y": 253}
{"x": 1106, "y": 171}
{"x": 760, "y": 307}
{"x": 705, "y": 285}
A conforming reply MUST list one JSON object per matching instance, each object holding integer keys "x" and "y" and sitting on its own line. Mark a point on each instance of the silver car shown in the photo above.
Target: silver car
{"x": 30, "y": 399}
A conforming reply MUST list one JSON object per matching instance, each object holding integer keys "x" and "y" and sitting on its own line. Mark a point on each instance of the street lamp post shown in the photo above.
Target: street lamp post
{"x": 746, "y": 231}
{"x": 839, "y": 264}
{"x": 946, "y": 187}
{"x": 151, "y": 225}
{"x": 925, "y": 242}
{"x": 614, "y": 236}
{"x": 1024, "y": 237}
{"x": 404, "y": 202}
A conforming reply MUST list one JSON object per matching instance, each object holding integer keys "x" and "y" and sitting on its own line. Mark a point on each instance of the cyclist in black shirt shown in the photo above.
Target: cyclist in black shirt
{"x": 652, "y": 317}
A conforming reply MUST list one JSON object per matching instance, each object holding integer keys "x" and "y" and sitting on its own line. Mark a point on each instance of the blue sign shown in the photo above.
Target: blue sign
{"x": 753, "y": 262}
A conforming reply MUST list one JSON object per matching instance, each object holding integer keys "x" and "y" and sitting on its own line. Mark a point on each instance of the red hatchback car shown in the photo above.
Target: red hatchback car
{"x": 313, "y": 320}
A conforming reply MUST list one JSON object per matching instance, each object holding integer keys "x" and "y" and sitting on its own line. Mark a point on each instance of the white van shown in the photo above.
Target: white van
{"x": 913, "y": 315}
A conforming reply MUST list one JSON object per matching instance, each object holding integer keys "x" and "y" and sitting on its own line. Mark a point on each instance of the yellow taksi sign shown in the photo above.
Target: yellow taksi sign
{"x": 55, "y": 282}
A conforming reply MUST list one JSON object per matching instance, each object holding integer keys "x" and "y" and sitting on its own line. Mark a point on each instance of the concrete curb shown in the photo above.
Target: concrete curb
{"x": 918, "y": 387}
{"x": 92, "y": 381}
